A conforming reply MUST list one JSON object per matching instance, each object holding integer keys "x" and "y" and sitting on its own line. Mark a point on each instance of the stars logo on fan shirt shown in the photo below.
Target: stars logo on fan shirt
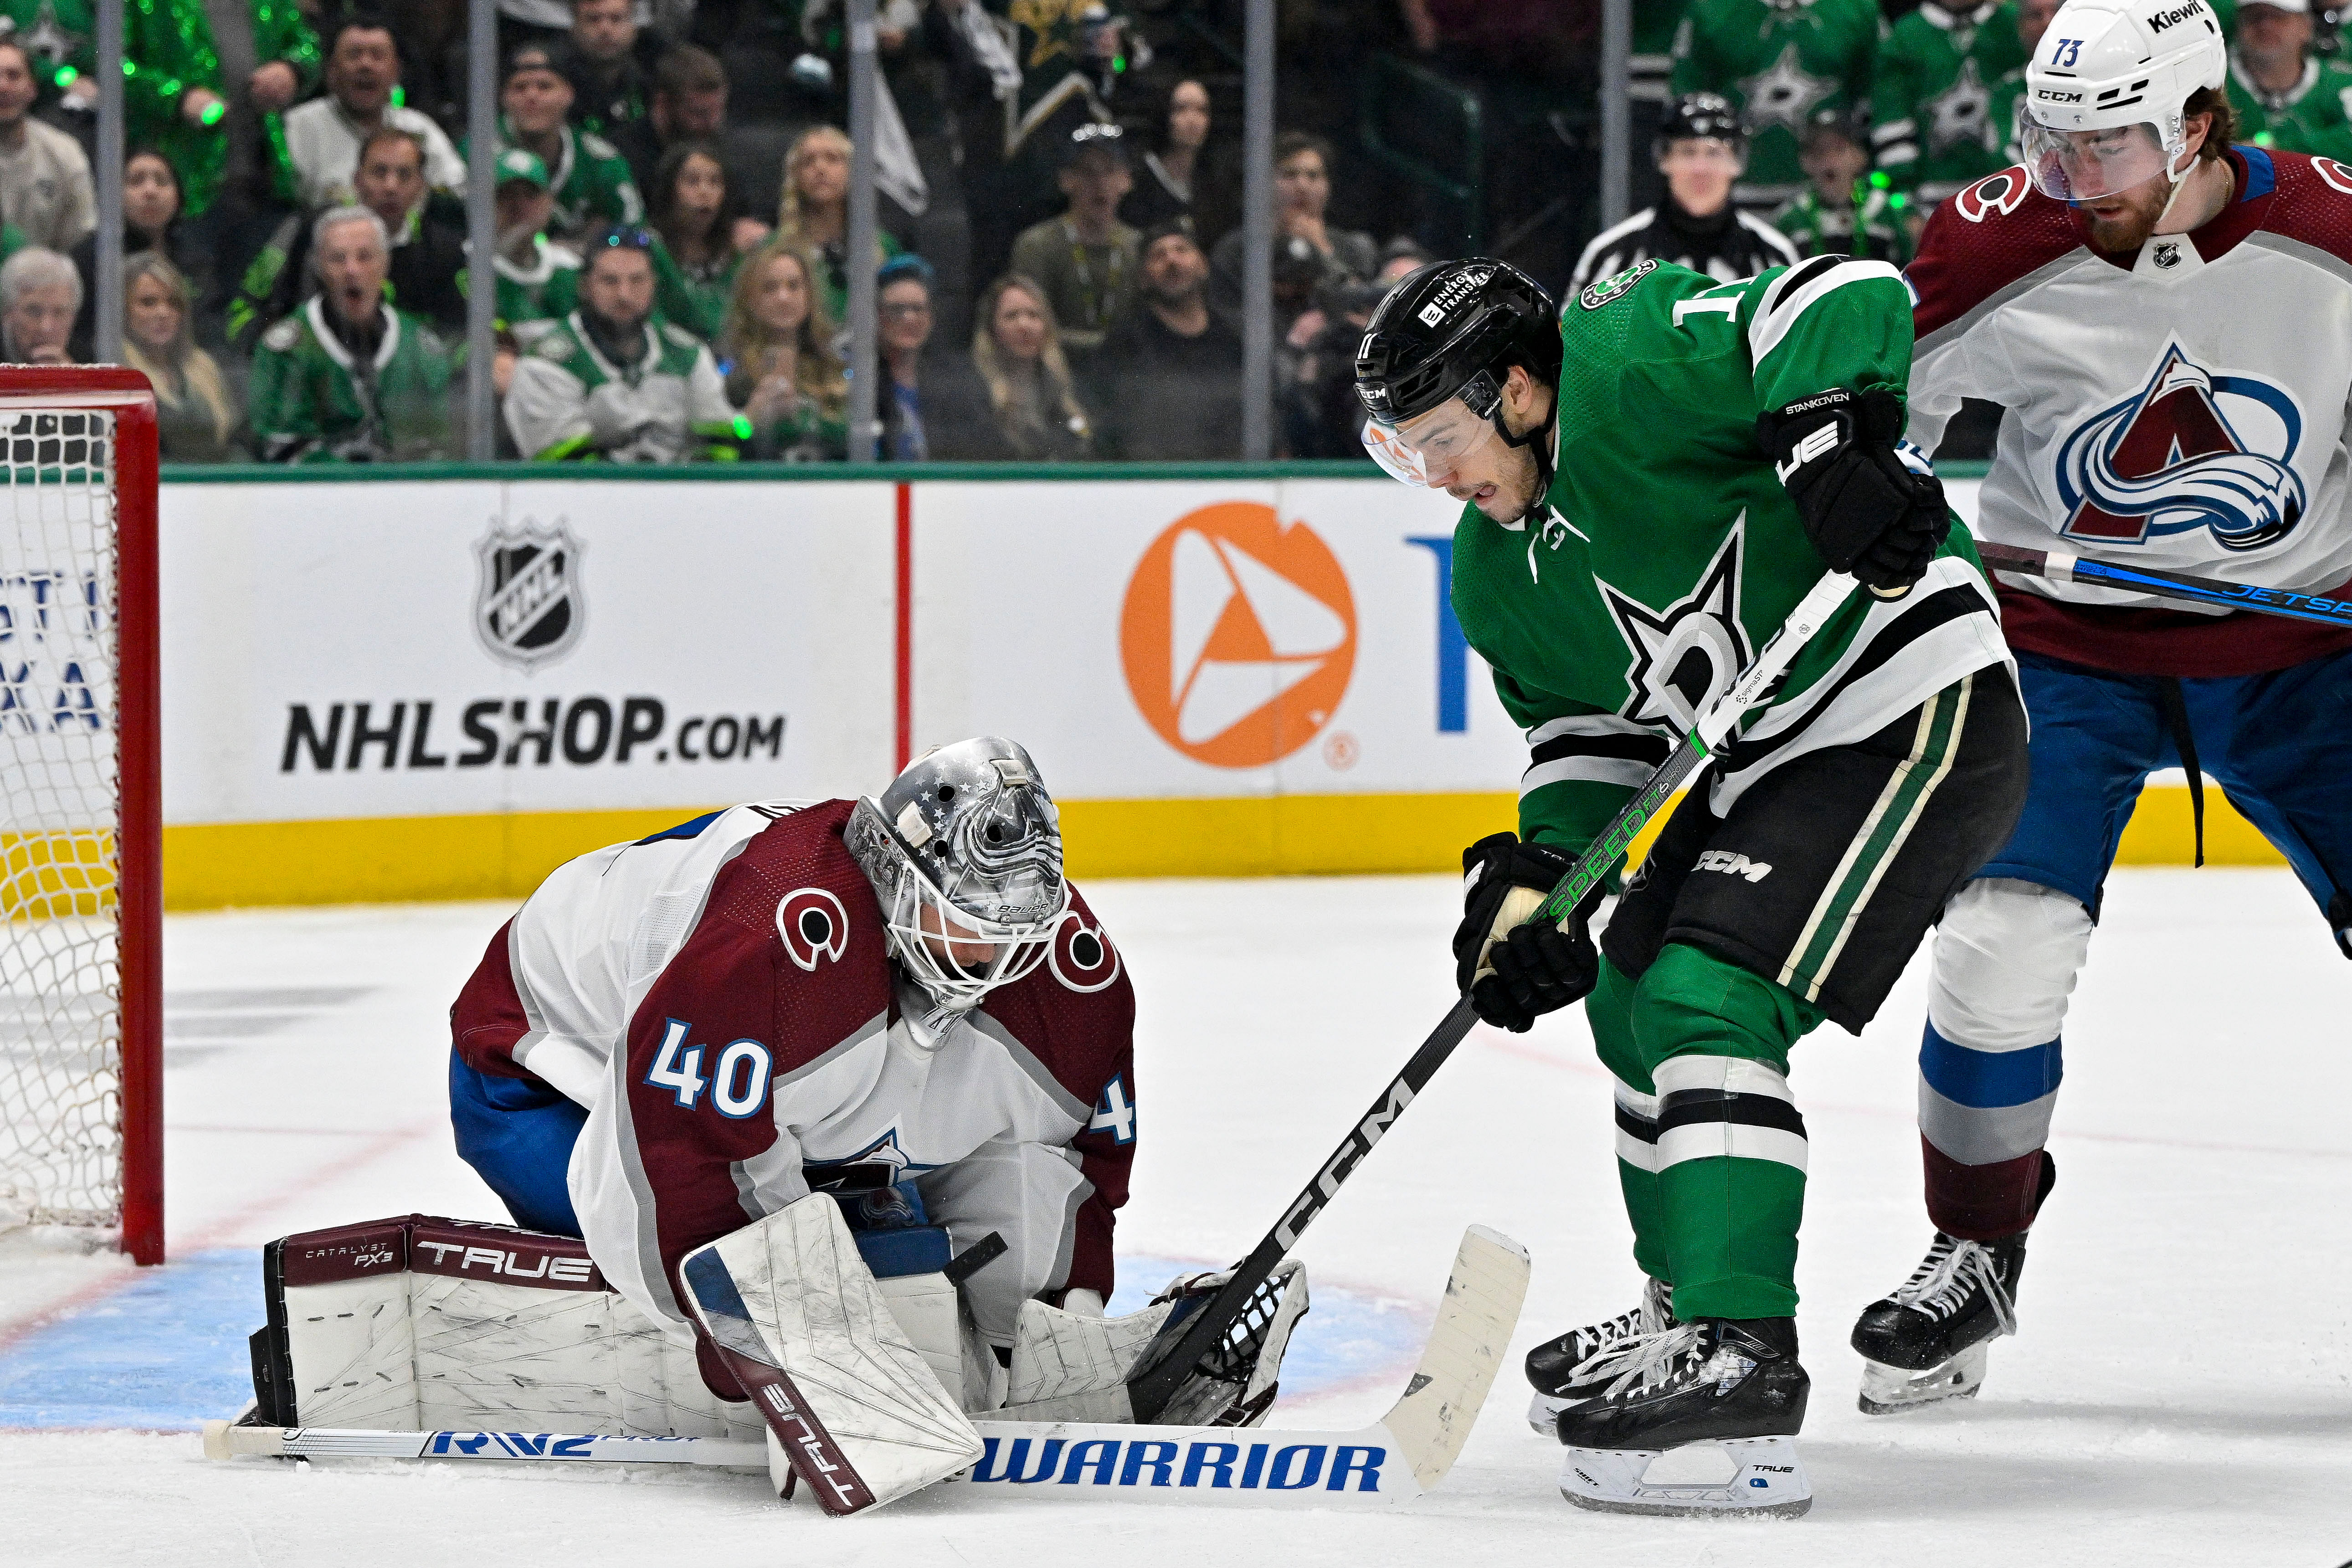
{"x": 1783, "y": 93}
{"x": 1688, "y": 654}
{"x": 1957, "y": 114}
{"x": 2193, "y": 448}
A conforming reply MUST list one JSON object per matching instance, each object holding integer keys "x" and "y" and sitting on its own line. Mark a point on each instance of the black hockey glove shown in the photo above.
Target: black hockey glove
{"x": 1516, "y": 969}
{"x": 1866, "y": 510}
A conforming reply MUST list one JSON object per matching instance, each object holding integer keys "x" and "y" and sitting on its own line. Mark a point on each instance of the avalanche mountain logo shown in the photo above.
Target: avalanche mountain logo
{"x": 2191, "y": 448}
{"x": 1688, "y": 654}
{"x": 1238, "y": 635}
{"x": 527, "y": 610}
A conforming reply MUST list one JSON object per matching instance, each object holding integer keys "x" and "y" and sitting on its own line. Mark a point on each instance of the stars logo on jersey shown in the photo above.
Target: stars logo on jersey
{"x": 1688, "y": 654}
{"x": 1957, "y": 113}
{"x": 2192, "y": 448}
{"x": 1599, "y": 294}
{"x": 1783, "y": 93}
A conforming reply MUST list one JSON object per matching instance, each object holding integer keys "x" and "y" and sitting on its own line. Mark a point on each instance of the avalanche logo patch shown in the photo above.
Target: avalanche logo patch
{"x": 2192, "y": 448}
{"x": 1688, "y": 654}
{"x": 1081, "y": 958}
{"x": 1995, "y": 195}
{"x": 813, "y": 925}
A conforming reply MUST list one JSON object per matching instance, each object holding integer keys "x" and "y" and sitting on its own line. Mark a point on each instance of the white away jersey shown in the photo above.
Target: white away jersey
{"x": 2181, "y": 407}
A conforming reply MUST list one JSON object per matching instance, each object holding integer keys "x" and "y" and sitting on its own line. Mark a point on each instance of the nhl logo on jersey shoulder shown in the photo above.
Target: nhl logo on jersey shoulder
{"x": 527, "y": 610}
{"x": 813, "y": 925}
{"x": 1617, "y": 287}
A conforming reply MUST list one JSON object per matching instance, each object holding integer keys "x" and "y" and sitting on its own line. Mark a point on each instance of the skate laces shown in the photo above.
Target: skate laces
{"x": 1654, "y": 1315}
{"x": 1653, "y": 1359}
{"x": 1945, "y": 1279}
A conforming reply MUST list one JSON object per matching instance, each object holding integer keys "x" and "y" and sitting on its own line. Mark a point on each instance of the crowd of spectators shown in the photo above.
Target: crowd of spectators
{"x": 1060, "y": 267}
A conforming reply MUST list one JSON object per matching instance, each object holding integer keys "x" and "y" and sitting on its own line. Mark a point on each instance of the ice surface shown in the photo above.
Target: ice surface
{"x": 2181, "y": 1392}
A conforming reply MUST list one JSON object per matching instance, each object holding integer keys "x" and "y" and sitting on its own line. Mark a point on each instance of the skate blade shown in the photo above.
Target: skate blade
{"x": 1891, "y": 1390}
{"x": 1769, "y": 1482}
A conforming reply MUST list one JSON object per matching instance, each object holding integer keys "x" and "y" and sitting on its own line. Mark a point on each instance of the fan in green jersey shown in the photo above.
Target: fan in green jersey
{"x": 1846, "y": 210}
{"x": 2286, "y": 96}
{"x": 1933, "y": 95}
{"x": 1652, "y": 484}
{"x": 1778, "y": 61}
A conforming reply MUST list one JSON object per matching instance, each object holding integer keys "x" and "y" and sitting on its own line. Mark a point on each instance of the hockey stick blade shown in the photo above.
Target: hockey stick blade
{"x": 1403, "y": 1455}
{"x": 1185, "y": 1343}
{"x": 2059, "y": 567}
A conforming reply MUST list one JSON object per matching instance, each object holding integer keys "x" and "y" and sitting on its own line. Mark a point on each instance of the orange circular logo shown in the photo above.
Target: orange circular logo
{"x": 1238, "y": 635}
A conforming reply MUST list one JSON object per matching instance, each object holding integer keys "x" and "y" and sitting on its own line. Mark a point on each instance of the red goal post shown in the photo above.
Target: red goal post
{"x": 81, "y": 980}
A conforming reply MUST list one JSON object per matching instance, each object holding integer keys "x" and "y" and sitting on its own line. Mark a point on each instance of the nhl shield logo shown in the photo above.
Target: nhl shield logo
{"x": 527, "y": 610}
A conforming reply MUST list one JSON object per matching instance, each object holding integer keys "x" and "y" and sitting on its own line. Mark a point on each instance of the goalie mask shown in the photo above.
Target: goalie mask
{"x": 964, "y": 852}
{"x": 2106, "y": 90}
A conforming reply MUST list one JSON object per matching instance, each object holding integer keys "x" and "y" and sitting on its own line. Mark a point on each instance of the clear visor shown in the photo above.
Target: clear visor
{"x": 958, "y": 956}
{"x": 1429, "y": 448}
{"x": 2089, "y": 165}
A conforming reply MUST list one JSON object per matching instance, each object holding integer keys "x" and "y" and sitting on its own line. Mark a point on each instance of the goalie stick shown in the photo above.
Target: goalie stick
{"x": 1402, "y": 1456}
{"x": 2059, "y": 567}
{"x": 1215, "y": 1337}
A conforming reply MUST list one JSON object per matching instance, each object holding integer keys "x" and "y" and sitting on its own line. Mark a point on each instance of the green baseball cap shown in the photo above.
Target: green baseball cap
{"x": 521, "y": 163}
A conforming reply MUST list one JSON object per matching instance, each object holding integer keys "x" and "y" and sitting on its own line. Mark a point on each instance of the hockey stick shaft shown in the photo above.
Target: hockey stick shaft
{"x": 2056, "y": 566}
{"x": 1164, "y": 1367}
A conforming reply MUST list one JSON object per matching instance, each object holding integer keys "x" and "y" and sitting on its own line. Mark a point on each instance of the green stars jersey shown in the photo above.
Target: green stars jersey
{"x": 1667, "y": 552}
{"x": 591, "y": 180}
{"x": 1867, "y": 226}
{"x": 1778, "y": 61}
{"x": 569, "y": 403}
{"x": 533, "y": 301}
{"x": 1931, "y": 101}
{"x": 311, "y": 401}
{"x": 2313, "y": 116}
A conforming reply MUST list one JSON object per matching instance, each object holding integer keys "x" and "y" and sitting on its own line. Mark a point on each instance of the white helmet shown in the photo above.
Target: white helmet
{"x": 2105, "y": 90}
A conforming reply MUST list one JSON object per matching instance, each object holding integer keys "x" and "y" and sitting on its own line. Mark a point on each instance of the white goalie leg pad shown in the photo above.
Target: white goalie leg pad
{"x": 797, "y": 1316}
{"x": 1767, "y": 1479}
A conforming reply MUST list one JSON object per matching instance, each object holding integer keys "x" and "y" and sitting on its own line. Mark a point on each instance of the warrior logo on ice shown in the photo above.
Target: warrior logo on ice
{"x": 2191, "y": 448}
{"x": 527, "y": 610}
{"x": 1688, "y": 654}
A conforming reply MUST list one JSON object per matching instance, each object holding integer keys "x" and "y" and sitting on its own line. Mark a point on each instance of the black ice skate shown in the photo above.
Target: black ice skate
{"x": 1929, "y": 1341}
{"x": 1555, "y": 1368}
{"x": 1733, "y": 1383}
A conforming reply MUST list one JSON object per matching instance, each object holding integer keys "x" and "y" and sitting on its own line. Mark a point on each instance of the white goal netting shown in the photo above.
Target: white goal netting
{"x": 60, "y": 985}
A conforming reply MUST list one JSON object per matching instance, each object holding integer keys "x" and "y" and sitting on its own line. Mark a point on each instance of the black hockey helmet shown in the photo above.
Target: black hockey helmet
{"x": 1451, "y": 330}
{"x": 1699, "y": 115}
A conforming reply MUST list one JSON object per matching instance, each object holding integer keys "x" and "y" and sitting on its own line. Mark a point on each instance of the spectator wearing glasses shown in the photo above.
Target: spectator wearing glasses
{"x": 195, "y": 414}
{"x": 39, "y": 294}
{"x": 323, "y": 137}
{"x": 590, "y": 179}
{"x": 1702, "y": 150}
{"x": 776, "y": 355}
{"x": 614, "y": 382}
{"x": 347, "y": 378}
{"x": 903, "y": 300}
{"x": 1085, "y": 259}
{"x": 1016, "y": 400}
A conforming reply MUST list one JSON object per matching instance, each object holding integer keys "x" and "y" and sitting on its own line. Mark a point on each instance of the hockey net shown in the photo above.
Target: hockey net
{"x": 81, "y": 905}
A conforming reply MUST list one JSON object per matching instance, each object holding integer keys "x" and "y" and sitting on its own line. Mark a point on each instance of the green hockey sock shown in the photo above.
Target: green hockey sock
{"x": 1609, "y": 1011}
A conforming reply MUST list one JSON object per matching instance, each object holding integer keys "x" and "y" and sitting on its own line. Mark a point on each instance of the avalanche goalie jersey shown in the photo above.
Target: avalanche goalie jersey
{"x": 2180, "y": 407}
{"x": 721, "y": 999}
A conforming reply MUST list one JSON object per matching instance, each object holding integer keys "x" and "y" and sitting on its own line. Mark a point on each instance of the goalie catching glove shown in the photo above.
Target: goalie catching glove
{"x": 1512, "y": 967}
{"x": 1074, "y": 1365}
{"x": 1868, "y": 508}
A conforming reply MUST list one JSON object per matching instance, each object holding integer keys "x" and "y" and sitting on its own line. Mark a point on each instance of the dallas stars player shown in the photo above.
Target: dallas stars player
{"x": 1933, "y": 92}
{"x": 1628, "y": 542}
{"x": 1778, "y": 61}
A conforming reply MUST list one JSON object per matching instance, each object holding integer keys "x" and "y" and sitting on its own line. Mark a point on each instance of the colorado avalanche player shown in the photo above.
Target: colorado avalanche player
{"x": 760, "y": 1060}
{"x": 2168, "y": 321}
